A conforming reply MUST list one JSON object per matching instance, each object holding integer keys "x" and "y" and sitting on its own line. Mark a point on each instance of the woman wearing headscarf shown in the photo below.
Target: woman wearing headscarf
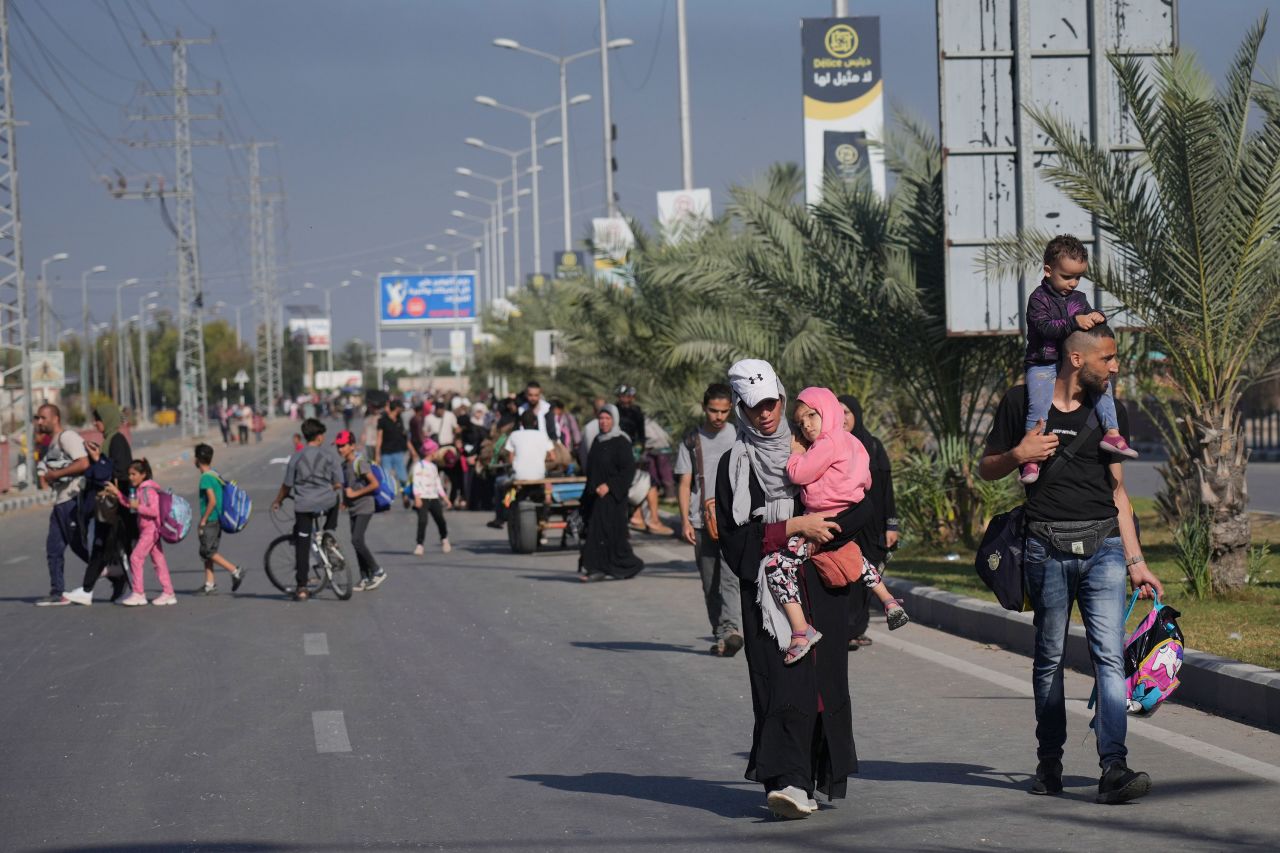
{"x": 803, "y": 735}
{"x": 880, "y": 535}
{"x": 606, "y": 550}
{"x": 113, "y": 531}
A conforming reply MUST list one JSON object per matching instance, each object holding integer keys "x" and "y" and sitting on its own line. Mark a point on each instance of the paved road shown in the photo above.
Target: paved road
{"x": 1144, "y": 481}
{"x": 485, "y": 702}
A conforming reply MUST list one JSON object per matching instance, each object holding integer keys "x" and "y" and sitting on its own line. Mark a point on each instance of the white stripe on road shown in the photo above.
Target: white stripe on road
{"x": 331, "y": 731}
{"x": 12, "y": 560}
{"x": 1022, "y": 687}
{"x": 315, "y": 644}
{"x": 279, "y": 460}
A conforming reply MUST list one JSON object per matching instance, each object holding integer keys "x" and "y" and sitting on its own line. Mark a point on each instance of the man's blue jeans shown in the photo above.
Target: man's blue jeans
{"x": 397, "y": 465}
{"x": 1040, "y": 380}
{"x": 1055, "y": 580}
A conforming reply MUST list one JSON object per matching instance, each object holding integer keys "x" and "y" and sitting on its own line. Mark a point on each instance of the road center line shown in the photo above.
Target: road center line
{"x": 331, "y": 731}
{"x": 315, "y": 644}
{"x": 1142, "y": 728}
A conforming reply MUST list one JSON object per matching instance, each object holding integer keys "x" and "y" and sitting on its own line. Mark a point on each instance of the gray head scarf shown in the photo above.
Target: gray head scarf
{"x": 766, "y": 456}
{"x": 615, "y": 431}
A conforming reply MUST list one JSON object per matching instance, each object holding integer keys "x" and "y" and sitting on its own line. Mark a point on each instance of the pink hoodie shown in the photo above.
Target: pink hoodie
{"x": 835, "y": 471}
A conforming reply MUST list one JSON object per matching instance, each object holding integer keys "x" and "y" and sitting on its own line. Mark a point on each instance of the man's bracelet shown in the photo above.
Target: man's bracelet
{"x": 1133, "y": 561}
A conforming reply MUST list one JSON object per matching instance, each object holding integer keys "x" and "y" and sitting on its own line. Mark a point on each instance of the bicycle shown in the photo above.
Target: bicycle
{"x": 328, "y": 565}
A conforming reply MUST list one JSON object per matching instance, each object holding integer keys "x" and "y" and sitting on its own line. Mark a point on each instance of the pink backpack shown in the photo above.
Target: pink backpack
{"x": 1152, "y": 657}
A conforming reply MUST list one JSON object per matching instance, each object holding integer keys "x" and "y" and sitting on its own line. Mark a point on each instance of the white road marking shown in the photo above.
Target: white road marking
{"x": 279, "y": 460}
{"x": 12, "y": 560}
{"x": 315, "y": 644}
{"x": 1142, "y": 728}
{"x": 331, "y": 731}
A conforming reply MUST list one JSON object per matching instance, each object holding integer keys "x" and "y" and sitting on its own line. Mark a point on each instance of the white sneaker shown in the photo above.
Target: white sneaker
{"x": 161, "y": 600}
{"x": 79, "y": 596}
{"x": 375, "y": 581}
{"x": 136, "y": 599}
{"x": 791, "y": 803}
{"x": 419, "y": 551}
{"x": 445, "y": 546}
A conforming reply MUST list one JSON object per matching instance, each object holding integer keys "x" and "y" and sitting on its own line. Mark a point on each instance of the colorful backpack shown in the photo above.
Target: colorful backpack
{"x": 1152, "y": 658}
{"x": 385, "y": 496}
{"x": 237, "y": 506}
{"x": 175, "y": 516}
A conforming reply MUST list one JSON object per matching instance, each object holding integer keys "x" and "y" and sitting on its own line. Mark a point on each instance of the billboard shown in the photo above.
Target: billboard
{"x": 994, "y": 64}
{"x": 683, "y": 214}
{"x": 331, "y": 380}
{"x": 570, "y": 264}
{"x": 430, "y": 299}
{"x": 315, "y": 332}
{"x": 612, "y": 240}
{"x": 48, "y": 368}
{"x": 843, "y": 94}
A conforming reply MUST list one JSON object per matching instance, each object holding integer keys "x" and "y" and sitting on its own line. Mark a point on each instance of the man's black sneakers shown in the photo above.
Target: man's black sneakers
{"x": 1048, "y": 777}
{"x": 1119, "y": 784}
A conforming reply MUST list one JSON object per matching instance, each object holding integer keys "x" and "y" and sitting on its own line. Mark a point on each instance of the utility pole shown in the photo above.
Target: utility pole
{"x": 686, "y": 131}
{"x": 266, "y": 352}
{"x": 611, "y": 207}
{"x": 192, "y": 379}
{"x": 274, "y": 316}
{"x": 13, "y": 288}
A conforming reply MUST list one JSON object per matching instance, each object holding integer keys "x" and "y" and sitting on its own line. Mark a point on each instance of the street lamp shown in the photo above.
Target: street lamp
{"x": 563, "y": 62}
{"x": 43, "y": 307}
{"x": 328, "y": 308}
{"x": 515, "y": 182}
{"x": 144, "y": 355}
{"x": 84, "y": 320}
{"x": 120, "y": 378}
{"x": 533, "y": 116}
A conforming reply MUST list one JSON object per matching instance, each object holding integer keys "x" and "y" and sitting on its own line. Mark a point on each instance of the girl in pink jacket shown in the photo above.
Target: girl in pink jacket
{"x": 833, "y": 473}
{"x": 146, "y": 503}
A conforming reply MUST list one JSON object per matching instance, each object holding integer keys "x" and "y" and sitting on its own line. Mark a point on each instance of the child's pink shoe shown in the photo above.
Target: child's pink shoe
{"x": 1030, "y": 473}
{"x": 137, "y": 599}
{"x": 1117, "y": 445}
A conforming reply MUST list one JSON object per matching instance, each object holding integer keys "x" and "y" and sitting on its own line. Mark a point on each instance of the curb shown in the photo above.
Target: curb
{"x": 1216, "y": 684}
{"x": 8, "y": 505}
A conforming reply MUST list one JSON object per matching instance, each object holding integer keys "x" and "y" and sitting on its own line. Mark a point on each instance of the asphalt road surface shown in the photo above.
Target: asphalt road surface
{"x": 481, "y": 701}
{"x": 1142, "y": 480}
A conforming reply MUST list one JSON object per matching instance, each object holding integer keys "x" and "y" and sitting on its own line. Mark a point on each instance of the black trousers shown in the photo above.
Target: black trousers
{"x": 359, "y": 526}
{"x": 433, "y": 508}
{"x": 303, "y": 529}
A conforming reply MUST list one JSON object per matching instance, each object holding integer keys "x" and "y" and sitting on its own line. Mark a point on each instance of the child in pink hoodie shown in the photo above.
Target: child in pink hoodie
{"x": 146, "y": 503}
{"x": 833, "y": 473}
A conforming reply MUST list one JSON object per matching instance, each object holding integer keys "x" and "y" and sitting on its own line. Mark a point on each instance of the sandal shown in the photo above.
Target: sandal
{"x": 797, "y": 650}
{"x": 858, "y": 642}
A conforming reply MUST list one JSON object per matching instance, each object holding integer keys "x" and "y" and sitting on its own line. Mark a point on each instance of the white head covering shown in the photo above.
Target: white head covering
{"x": 766, "y": 456}
{"x": 615, "y": 431}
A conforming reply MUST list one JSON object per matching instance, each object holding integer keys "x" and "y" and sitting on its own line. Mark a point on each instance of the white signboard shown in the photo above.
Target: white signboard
{"x": 613, "y": 241}
{"x": 458, "y": 350}
{"x": 683, "y": 214}
{"x": 330, "y": 380}
{"x": 315, "y": 331}
{"x": 48, "y": 369}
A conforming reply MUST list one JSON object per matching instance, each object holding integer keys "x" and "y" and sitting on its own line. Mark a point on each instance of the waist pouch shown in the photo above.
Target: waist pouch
{"x": 1077, "y": 538}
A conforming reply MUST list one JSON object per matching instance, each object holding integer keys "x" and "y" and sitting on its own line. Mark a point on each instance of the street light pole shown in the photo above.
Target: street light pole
{"x": 42, "y": 308}
{"x": 85, "y": 383}
{"x": 608, "y": 116}
{"x": 119, "y": 395}
{"x": 144, "y": 356}
{"x": 686, "y": 131}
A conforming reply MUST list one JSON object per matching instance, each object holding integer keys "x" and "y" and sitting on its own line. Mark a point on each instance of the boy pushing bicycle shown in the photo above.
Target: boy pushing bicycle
{"x": 314, "y": 477}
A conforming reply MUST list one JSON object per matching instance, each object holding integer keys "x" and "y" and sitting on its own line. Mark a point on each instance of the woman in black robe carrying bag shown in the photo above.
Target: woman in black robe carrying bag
{"x": 606, "y": 549}
{"x": 803, "y": 733}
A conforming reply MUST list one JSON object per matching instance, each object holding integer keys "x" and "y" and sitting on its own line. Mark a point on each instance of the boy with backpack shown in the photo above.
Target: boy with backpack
{"x": 209, "y": 528}
{"x": 358, "y": 490}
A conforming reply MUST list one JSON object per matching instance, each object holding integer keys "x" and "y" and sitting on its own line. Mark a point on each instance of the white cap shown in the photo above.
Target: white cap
{"x": 753, "y": 380}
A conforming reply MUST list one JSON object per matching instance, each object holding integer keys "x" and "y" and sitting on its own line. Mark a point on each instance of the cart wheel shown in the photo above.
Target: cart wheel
{"x": 522, "y": 527}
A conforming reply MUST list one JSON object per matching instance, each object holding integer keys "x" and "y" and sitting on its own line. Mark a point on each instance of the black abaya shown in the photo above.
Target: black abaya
{"x": 606, "y": 547}
{"x": 803, "y": 732}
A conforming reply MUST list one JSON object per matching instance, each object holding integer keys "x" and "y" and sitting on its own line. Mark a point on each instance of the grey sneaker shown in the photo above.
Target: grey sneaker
{"x": 375, "y": 581}
{"x": 791, "y": 803}
{"x": 208, "y": 589}
{"x": 361, "y": 585}
{"x": 53, "y": 599}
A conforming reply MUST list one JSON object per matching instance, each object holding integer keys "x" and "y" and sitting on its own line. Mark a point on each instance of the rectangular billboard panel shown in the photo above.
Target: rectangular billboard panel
{"x": 843, "y": 93}
{"x": 683, "y": 214}
{"x": 571, "y": 264}
{"x": 48, "y": 368}
{"x": 315, "y": 332}
{"x": 430, "y": 299}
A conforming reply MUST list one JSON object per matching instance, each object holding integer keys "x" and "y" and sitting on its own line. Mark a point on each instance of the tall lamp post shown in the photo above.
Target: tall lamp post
{"x": 563, "y": 63}
{"x": 533, "y": 116}
{"x": 120, "y": 381}
{"x": 515, "y": 193}
{"x": 328, "y": 311}
{"x": 84, "y": 348}
{"x": 144, "y": 355}
{"x": 498, "y": 265}
{"x": 42, "y": 308}
{"x": 480, "y": 242}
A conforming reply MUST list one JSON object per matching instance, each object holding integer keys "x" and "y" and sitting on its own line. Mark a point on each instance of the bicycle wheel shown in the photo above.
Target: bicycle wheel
{"x": 339, "y": 575}
{"x": 279, "y": 562}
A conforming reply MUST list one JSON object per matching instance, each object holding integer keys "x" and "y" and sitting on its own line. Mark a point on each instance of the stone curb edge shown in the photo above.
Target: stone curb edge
{"x": 1220, "y": 685}
{"x": 8, "y": 505}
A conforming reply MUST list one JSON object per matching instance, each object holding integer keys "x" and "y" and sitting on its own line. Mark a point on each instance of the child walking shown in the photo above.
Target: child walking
{"x": 209, "y": 528}
{"x": 357, "y": 493}
{"x": 429, "y": 494}
{"x": 1055, "y": 309}
{"x": 144, "y": 499}
{"x": 833, "y": 473}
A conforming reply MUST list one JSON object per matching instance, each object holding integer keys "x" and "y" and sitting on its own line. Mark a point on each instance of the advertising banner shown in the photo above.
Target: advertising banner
{"x": 458, "y": 350}
{"x": 315, "y": 332}
{"x": 613, "y": 241}
{"x": 570, "y": 264}
{"x": 843, "y": 92}
{"x": 683, "y": 214}
{"x": 48, "y": 368}
{"x": 432, "y": 299}
{"x": 536, "y": 279}
{"x": 334, "y": 380}
{"x": 844, "y": 154}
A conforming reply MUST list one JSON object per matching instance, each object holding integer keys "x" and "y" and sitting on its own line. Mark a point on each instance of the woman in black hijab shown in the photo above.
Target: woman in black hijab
{"x": 880, "y": 536}
{"x": 115, "y": 530}
{"x": 606, "y": 550}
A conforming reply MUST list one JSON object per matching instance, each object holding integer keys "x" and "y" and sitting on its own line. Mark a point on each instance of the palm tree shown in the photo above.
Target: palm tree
{"x": 1193, "y": 229}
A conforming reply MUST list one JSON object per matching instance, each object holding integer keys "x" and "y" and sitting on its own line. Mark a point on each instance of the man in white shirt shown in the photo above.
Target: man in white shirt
{"x": 62, "y": 470}
{"x": 528, "y": 450}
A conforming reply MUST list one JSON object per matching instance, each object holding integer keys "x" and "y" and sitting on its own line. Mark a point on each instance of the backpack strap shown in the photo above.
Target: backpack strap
{"x": 1067, "y": 456}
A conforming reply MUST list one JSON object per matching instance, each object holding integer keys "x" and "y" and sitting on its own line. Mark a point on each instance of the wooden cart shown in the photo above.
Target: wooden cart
{"x": 537, "y": 506}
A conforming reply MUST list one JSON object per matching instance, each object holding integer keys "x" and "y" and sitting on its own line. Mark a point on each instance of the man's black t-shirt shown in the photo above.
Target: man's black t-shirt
{"x": 393, "y": 437}
{"x": 1082, "y": 490}
{"x": 631, "y": 420}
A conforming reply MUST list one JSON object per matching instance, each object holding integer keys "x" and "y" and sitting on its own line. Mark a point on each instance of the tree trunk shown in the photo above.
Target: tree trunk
{"x": 1220, "y": 469}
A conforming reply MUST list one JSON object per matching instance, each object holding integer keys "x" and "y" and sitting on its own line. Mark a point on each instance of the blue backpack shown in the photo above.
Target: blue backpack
{"x": 237, "y": 506}
{"x": 385, "y": 496}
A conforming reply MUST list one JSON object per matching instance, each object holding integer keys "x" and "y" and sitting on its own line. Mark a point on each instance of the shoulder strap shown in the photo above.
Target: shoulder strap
{"x": 1067, "y": 456}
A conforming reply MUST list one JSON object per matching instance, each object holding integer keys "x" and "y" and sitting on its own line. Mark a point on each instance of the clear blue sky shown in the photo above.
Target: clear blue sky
{"x": 370, "y": 102}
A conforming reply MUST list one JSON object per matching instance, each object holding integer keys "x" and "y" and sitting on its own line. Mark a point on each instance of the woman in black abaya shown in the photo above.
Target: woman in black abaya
{"x": 606, "y": 549}
{"x": 880, "y": 535}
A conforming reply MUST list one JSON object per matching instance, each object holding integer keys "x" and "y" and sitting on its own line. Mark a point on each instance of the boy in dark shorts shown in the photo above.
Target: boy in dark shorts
{"x": 209, "y": 528}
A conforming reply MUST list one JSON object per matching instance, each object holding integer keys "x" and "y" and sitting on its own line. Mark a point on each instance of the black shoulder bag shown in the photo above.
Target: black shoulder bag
{"x": 999, "y": 559}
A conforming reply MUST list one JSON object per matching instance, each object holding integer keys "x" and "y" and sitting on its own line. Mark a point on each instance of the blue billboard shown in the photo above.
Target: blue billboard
{"x": 431, "y": 299}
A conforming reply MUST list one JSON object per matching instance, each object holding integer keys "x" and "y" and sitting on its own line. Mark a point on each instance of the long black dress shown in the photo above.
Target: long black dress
{"x": 112, "y": 542}
{"x": 605, "y": 544}
{"x": 871, "y": 537}
{"x": 803, "y": 733}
